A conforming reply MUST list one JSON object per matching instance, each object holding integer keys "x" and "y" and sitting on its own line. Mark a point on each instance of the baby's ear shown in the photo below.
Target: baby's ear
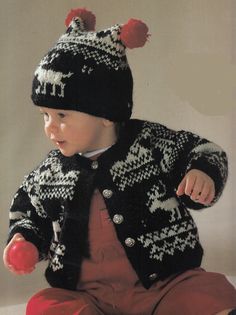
{"x": 107, "y": 123}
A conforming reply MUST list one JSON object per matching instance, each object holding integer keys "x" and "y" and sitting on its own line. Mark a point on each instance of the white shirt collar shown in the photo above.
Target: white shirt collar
{"x": 91, "y": 153}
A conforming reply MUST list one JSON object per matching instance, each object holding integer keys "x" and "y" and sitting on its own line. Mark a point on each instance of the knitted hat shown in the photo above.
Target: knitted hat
{"x": 87, "y": 71}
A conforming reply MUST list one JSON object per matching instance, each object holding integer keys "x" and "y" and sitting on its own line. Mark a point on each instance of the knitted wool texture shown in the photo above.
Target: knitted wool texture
{"x": 86, "y": 71}
{"x": 137, "y": 177}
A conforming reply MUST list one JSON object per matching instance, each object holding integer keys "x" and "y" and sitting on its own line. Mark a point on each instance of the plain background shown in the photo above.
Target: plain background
{"x": 184, "y": 78}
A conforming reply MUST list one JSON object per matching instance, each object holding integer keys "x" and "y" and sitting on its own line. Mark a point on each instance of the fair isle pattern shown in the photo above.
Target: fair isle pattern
{"x": 177, "y": 237}
{"x": 57, "y": 251}
{"x": 215, "y": 156}
{"x": 51, "y": 78}
{"x": 160, "y": 139}
{"x": 167, "y": 142}
{"x": 141, "y": 170}
{"x": 75, "y": 43}
{"x": 52, "y": 183}
{"x": 85, "y": 43}
{"x": 157, "y": 200}
{"x": 85, "y": 71}
{"x": 55, "y": 79}
{"x": 33, "y": 192}
{"x": 166, "y": 147}
{"x": 171, "y": 143}
{"x": 139, "y": 165}
{"x": 103, "y": 47}
{"x": 105, "y": 58}
{"x": 24, "y": 223}
{"x": 21, "y": 219}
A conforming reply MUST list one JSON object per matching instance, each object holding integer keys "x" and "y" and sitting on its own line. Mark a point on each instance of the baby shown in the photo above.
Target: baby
{"x": 109, "y": 207}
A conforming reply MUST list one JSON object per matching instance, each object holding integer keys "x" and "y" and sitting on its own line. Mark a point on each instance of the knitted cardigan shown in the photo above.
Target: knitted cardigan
{"x": 137, "y": 177}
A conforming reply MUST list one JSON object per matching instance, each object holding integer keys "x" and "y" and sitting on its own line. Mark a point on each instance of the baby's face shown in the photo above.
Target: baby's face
{"x": 73, "y": 132}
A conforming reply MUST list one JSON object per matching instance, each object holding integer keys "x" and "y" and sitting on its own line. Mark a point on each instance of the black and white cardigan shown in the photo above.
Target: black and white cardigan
{"x": 137, "y": 177}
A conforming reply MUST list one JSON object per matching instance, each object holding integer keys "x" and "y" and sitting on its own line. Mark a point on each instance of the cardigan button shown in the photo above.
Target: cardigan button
{"x": 130, "y": 242}
{"x": 118, "y": 218}
{"x": 94, "y": 165}
{"x": 107, "y": 193}
{"x": 153, "y": 276}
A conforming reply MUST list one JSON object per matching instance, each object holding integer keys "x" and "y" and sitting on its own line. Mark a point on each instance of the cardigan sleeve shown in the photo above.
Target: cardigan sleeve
{"x": 194, "y": 152}
{"x": 28, "y": 217}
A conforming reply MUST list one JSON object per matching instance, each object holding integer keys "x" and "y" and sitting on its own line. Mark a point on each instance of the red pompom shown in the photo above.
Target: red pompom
{"x": 134, "y": 33}
{"x": 87, "y": 17}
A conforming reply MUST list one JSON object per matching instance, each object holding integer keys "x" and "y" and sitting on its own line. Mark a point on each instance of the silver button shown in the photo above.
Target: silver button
{"x": 129, "y": 242}
{"x": 153, "y": 276}
{"x": 94, "y": 165}
{"x": 107, "y": 193}
{"x": 118, "y": 218}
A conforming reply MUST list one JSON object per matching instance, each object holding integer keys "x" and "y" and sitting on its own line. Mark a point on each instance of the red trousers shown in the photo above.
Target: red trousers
{"x": 109, "y": 285}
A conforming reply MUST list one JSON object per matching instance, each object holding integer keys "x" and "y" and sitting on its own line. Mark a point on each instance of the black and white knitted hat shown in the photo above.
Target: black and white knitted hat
{"x": 88, "y": 71}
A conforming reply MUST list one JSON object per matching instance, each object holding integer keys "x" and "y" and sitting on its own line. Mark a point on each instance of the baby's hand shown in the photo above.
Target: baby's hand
{"x": 16, "y": 238}
{"x": 198, "y": 186}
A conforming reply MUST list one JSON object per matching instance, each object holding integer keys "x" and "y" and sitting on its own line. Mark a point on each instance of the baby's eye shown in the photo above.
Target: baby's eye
{"x": 61, "y": 115}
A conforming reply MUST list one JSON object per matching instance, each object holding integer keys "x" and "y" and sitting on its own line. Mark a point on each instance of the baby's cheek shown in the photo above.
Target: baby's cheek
{"x": 46, "y": 131}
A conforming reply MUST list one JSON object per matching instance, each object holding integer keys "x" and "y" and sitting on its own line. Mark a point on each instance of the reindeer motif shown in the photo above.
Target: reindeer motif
{"x": 55, "y": 79}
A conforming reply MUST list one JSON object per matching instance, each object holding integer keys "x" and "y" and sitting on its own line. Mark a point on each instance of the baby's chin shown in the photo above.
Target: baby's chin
{"x": 67, "y": 153}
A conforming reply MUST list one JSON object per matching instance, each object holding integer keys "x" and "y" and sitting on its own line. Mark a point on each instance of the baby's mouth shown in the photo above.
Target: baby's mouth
{"x": 60, "y": 143}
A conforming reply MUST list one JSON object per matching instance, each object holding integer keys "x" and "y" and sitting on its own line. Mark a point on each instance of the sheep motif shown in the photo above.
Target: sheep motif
{"x": 54, "y": 78}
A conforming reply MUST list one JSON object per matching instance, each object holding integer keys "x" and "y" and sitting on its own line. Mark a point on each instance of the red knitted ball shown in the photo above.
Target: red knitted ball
{"x": 134, "y": 33}
{"x": 87, "y": 17}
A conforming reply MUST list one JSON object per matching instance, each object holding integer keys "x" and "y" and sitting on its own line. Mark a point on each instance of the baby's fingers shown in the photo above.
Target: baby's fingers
{"x": 181, "y": 188}
{"x": 190, "y": 184}
{"x": 210, "y": 197}
{"x": 197, "y": 189}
